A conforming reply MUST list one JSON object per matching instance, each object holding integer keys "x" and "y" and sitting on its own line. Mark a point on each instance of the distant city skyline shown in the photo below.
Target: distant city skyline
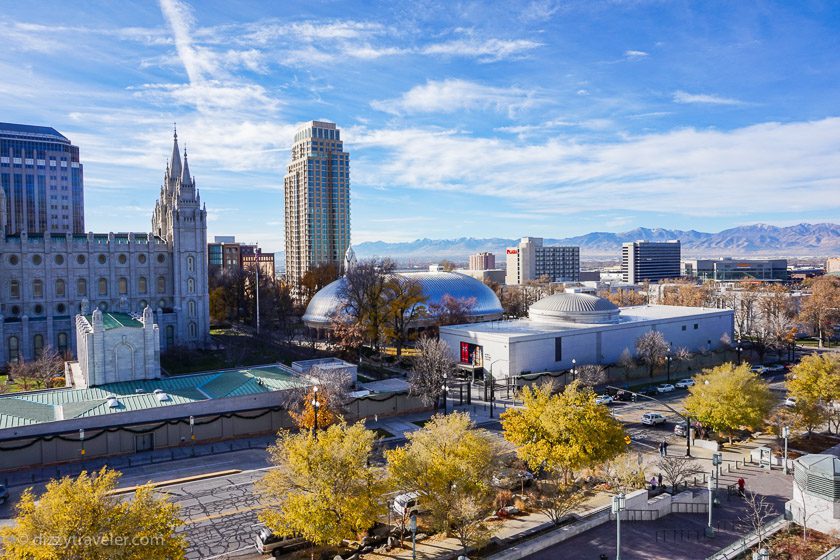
{"x": 478, "y": 119}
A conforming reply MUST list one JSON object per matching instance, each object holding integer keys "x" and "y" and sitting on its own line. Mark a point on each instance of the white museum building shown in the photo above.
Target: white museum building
{"x": 585, "y": 328}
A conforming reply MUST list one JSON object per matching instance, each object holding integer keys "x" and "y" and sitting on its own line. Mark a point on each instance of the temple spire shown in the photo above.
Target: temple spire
{"x": 185, "y": 173}
{"x": 175, "y": 161}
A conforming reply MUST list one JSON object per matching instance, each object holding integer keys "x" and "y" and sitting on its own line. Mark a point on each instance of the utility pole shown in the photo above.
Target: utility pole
{"x": 618, "y": 505}
{"x": 257, "y": 265}
{"x": 786, "y": 435}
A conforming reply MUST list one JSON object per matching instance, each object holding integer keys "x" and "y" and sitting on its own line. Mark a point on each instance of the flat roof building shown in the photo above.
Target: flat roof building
{"x": 483, "y": 261}
{"x": 650, "y": 261}
{"x": 530, "y": 260}
{"x": 736, "y": 270}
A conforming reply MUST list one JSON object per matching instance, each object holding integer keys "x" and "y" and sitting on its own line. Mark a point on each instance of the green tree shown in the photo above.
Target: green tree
{"x": 323, "y": 489}
{"x": 81, "y": 518}
{"x": 450, "y": 464}
{"x": 728, "y": 398}
{"x": 564, "y": 432}
{"x": 218, "y": 307}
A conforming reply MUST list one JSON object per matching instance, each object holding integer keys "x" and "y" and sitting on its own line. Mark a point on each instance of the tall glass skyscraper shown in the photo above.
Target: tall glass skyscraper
{"x": 42, "y": 179}
{"x": 317, "y": 200}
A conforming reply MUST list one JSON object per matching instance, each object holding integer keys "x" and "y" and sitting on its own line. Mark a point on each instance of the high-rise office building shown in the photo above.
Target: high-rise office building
{"x": 317, "y": 200}
{"x": 650, "y": 261}
{"x": 530, "y": 260}
{"x": 483, "y": 261}
{"x": 42, "y": 180}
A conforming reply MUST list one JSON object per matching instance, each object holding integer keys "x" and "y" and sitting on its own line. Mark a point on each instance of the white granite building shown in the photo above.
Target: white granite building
{"x": 114, "y": 347}
{"x": 44, "y": 278}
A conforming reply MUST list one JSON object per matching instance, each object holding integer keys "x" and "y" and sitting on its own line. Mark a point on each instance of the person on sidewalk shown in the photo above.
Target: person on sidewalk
{"x": 653, "y": 483}
{"x": 741, "y": 484}
{"x": 659, "y": 479}
{"x": 664, "y": 448}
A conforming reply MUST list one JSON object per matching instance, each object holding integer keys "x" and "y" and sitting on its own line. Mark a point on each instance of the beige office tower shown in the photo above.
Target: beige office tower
{"x": 317, "y": 203}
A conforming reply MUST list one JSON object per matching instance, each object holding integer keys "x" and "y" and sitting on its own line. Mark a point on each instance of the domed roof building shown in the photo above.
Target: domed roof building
{"x": 573, "y": 328}
{"x": 436, "y": 285}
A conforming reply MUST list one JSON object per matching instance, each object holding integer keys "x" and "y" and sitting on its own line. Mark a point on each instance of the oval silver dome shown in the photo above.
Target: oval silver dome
{"x": 327, "y": 303}
{"x": 574, "y": 308}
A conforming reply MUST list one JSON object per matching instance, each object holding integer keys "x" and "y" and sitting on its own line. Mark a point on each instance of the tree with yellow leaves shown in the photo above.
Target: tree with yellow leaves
{"x": 323, "y": 489}
{"x": 449, "y": 463}
{"x": 815, "y": 383}
{"x": 564, "y": 432}
{"x": 82, "y": 518}
{"x": 728, "y": 398}
{"x": 305, "y": 419}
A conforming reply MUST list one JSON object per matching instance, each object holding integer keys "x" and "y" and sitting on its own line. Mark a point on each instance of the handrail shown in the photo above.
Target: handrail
{"x": 741, "y": 545}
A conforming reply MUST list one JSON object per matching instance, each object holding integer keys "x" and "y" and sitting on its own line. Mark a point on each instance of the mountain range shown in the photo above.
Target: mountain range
{"x": 752, "y": 240}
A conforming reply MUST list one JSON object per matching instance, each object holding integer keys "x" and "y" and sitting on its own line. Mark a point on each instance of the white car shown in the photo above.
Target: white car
{"x": 405, "y": 504}
{"x": 664, "y": 388}
{"x": 684, "y": 383}
{"x": 603, "y": 399}
{"x": 759, "y": 369}
{"x": 790, "y": 401}
{"x": 652, "y": 418}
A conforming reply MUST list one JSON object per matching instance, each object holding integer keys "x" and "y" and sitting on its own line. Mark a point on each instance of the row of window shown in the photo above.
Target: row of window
{"x": 82, "y": 287}
{"x": 101, "y": 259}
{"x": 13, "y": 345}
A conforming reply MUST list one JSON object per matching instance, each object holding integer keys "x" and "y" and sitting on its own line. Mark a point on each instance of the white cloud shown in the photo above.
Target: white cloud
{"x": 485, "y": 50}
{"x": 635, "y": 55}
{"x": 452, "y": 95}
{"x": 757, "y": 169}
{"x": 703, "y": 99}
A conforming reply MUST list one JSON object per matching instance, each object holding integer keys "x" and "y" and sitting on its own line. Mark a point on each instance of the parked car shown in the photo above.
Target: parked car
{"x": 652, "y": 418}
{"x": 790, "y": 401}
{"x": 276, "y": 545}
{"x": 512, "y": 479}
{"x": 623, "y": 396}
{"x": 684, "y": 383}
{"x": 405, "y": 504}
{"x": 603, "y": 399}
{"x": 679, "y": 429}
{"x": 649, "y": 391}
{"x": 759, "y": 369}
{"x": 664, "y": 388}
{"x": 4, "y": 494}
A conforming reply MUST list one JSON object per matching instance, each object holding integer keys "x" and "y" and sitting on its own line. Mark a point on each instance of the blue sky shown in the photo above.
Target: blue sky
{"x": 474, "y": 119}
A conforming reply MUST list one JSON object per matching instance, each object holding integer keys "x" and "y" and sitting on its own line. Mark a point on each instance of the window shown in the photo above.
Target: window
{"x": 141, "y": 285}
{"x": 62, "y": 343}
{"x": 193, "y": 330}
{"x": 38, "y": 344}
{"x": 161, "y": 285}
{"x": 60, "y": 288}
{"x": 191, "y": 286}
{"x": 59, "y": 260}
{"x": 170, "y": 335}
{"x": 696, "y": 326}
{"x": 141, "y": 259}
{"x": 190, "y": 264}
{"x": 14, "y": 349}
{"x": 38, "y": 288}
{"x": 161, "y": 257}
{"x": 36, "y": 259}
{"x": 14, "y": 289}
{"x": 60, "y": 308}
{"x": 123, "y": 286}
{"x": 683, "y": 327}
{"x": 80, "y": 259}
{"x": 102, "y": 259}
{"x": 103, "y": 287}
{"x": 191, "y": 308}
{"x": 39, "y": 309}
{"x": 122, "y": 259}
{"x": 81, "y": 287}
{"x": 558, "y": 349}
{"x": 13, "y": 260}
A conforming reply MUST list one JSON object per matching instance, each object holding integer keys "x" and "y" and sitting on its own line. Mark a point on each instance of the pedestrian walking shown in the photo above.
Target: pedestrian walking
{"x": 661, "y": 448}
{"x": 664, "y": 448}
{"x": 653, "y": 483}
{"x": 741, "y": 484}
{"x": 659, "y": 479}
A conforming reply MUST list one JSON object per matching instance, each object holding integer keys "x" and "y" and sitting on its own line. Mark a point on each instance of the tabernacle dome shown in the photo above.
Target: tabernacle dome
{"x": 327, "y": 303}
{"x": 574, "y": 308}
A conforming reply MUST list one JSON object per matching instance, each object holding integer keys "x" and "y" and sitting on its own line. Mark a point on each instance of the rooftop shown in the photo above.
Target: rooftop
{"x": 35, "y": 407}
{"x": 116, "y": 320}
{"x": 30, "y": 130}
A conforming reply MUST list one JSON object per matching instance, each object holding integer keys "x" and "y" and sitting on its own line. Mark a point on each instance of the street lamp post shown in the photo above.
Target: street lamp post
{"x": 315, "y": 405}
{"x": 444, "y": 394}
{"x": 717, "y": 460}
{"x": 618, "y": 505}
{"x": 786, "y": 435}
{"x": 762, "y": 554}
{"x": 82, "y": 440}
{"x": 710, "y": 530}
{"x": 668, "y": 360}
{"x": 574, "y": 369}
{"x": 738, "y": 348}
{"x": 413, "y": 536}
{"x": 192, "y": 434}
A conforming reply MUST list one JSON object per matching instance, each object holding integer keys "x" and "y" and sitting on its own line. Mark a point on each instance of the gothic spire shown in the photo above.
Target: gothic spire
{"x": 175, "y": 161}
{"x": 185, "y": 173}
